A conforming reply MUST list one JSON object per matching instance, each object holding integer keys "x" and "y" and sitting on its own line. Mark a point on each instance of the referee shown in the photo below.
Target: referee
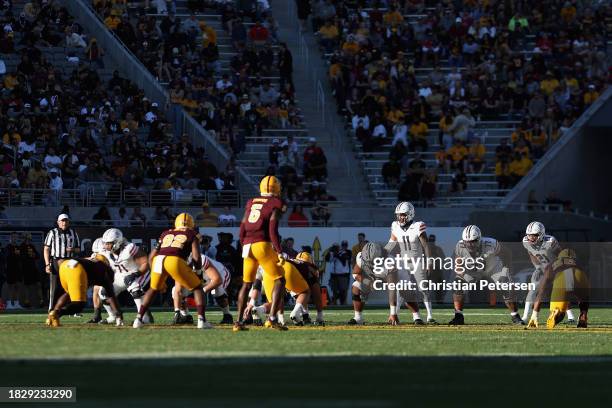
{"x": 61, "y": 243}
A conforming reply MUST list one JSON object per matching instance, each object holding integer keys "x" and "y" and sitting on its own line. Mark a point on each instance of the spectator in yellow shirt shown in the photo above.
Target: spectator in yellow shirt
{"x": 519, "y": 167}
{"x": 112, "y": 21}
{"x": 395, "y": 115}
{"x": 418, "y": 135}
{"x": 209, "y": 35}
{"x": 458, "y": 152}
{"x": 538, "y": 142}
{"x": 549, "y": 83}
{"x": 329, "y": 35}
{"x": 393, "y": 17}
{"x": 477, "y": 154}
{"x": 521, "y": 133}
{"x": 502, "y": 174}
{"x": 590, "y": 95}
{"x": 350, "y": 46}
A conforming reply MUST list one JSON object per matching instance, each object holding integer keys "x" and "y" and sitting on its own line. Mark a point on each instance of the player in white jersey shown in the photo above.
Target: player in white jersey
{"x": 130, "y": 264}
{"x": 410, "y": 239}
{"x": 216, "y": 279}
{"x": 365, "y": 274}
{"x": 485, "y": 264}
{"x": 543, "y": 251}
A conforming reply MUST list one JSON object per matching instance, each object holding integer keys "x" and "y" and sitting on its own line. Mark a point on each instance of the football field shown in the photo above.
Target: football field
{"x": 487, "y": 361}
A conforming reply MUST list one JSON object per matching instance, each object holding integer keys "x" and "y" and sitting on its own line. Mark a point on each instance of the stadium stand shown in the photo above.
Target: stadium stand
{"x": 419, "y": 82}
{"x": 224, "y": 63}
{"x": 76, "y": 133}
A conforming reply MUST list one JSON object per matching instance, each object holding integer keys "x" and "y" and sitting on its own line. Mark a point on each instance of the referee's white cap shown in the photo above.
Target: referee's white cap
{"x": 63, "y": 217}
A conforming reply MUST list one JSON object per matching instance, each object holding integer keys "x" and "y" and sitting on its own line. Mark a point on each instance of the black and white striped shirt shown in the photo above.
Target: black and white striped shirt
{"x": 58, "y": 240}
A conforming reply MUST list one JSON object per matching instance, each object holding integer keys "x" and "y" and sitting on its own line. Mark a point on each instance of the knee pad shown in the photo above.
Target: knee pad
{"x": 356, "y": 298}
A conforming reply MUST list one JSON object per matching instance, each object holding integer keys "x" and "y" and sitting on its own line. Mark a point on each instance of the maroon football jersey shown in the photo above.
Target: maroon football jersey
{"x": 177, "y": 242}
{"x": 259, "y": 210}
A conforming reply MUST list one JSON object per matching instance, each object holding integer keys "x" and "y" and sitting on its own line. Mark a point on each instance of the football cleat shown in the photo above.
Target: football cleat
{"x": 137, "y": 323}
{"x": 95, "y": 320}
{"x": 188, "y": 319}
{"x": 533, "y": 323}
{"x": 516, "y": 319}
{"x": 148, "y": 318}
{"x": 432, "y": 321}
{"x": 582, "y": 321}
{"x": 109, "y": 320}
{"x": 355, "y": 322}
{"x": 458, "y": 320}
{"x": 320, "y": 323}
{"x": 296, "y": 321}
{"x": 177, "y": 318}
{"x": 203, "y": 324}
{"x": 269, "y": 324}
{"x": 53, "y": 319}
{"x": 227, "y": 319}
{"x": 239, "y": 326}
{"x": 306, "y": 318}
{"x": 419, "y": 322}
{"x": 554, "y": 318}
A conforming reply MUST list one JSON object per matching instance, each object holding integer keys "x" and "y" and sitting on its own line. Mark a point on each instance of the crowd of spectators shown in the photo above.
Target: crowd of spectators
{"x": 457, "y": 63}
{"x": 63, "y": 125}
{"x": 232, "y": 104}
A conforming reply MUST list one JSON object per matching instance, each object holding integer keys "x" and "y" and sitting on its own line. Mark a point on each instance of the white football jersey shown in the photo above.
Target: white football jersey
{"x": 382, "y": 273}
{"x": 125, "y": 262}
{"x": 225, "y": 275}
{"x": 408, "y": 238}
{"x": 546, "y": 251}
{"x": 488, "y": 251}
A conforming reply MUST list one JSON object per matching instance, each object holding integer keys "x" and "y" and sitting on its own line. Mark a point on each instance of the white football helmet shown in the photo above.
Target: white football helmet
{"x": 404, "y": 213}
{"x": 97, "y": 246}
{"x": 471, "y": 237}
{"x": 115, "y": 236}
{"x": 535, "y": 228}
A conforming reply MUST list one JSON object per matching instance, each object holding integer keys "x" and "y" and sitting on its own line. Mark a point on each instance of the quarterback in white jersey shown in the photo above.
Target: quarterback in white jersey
{"x": 216, "y": 279}
{"x": 486, "y": 265}
{"x": 543, "y": 251}
{"x": 410, "y": 238}
{"x": 130, "y": 264}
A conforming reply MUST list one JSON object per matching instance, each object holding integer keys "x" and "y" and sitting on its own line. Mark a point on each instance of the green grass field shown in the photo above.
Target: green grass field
{"x": 375, "y": 365}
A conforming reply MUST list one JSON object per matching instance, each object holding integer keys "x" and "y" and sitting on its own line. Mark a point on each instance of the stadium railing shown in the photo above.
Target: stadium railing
{"x": 111, "y": 194}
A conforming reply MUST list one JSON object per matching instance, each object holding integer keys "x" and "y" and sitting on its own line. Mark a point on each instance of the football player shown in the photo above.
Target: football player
{"x": 98, "y": 252}
{"x": 543, "y": 250}
{"x": 365, "y": 274}
{"x": 261, "y": 247}
{"x": 131, "y": 267}
{"x": 75, "y": 276}
{"x": 568, "y": 281}
{"x": 410, "y": 238}
{"x": 306, "y": 266}
{"x": 216, "y": 278}
{"x": 486, "y": 250}
{"x": 169, "y": 258}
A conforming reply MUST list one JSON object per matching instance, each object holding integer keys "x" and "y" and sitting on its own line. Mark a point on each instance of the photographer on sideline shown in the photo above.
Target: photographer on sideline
{"x": 338, "y": 259}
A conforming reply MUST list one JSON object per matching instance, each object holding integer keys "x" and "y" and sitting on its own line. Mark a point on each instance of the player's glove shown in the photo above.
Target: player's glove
{"x": 393, "y": 320}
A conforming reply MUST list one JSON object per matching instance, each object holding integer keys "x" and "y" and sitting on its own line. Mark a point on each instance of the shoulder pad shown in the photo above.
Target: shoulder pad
{"x": 129, "y": 251}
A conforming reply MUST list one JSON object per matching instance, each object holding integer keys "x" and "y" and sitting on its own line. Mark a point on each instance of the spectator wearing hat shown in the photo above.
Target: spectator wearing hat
{"x": 61, "y": 243}
{"x": 273, "y": 152}
{"x": 315, "y": 162}
{"x": 206, "y": 218}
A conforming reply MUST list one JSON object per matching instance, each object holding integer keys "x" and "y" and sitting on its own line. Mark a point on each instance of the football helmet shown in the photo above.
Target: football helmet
{"x": 97, "y": 246}
{"x": 404, "y": 213}
{"x": 270, "y": 187}
{"x": 304, "y": 257}
{"x": 114, "y": 236}
{"x": 370, "y": 252}
{"x": 535, "y": 228}
{"x": 567, "y": 258}
{"x": 471, "y": 237}
{"x": 184, "y": 220}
